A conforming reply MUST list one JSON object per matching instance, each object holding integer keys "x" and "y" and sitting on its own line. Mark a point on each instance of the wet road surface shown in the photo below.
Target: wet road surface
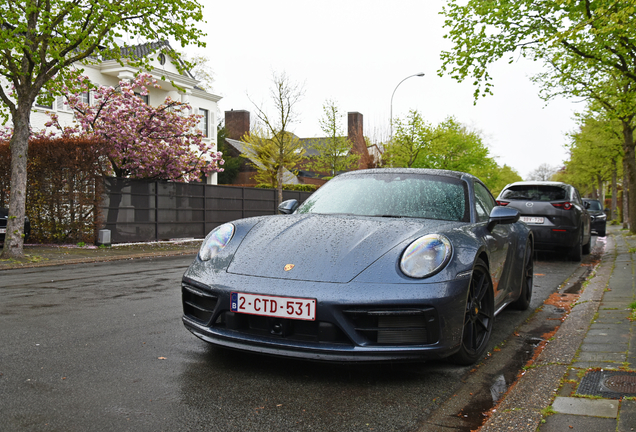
{"x": 101, "y": 347}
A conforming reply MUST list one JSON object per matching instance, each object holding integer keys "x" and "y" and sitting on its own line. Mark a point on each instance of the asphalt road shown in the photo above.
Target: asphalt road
{"x": 101, "y": 347}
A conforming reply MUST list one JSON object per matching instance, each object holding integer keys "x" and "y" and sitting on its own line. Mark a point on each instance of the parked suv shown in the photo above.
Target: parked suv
{"x": 597, "y": 215}
{"x": 554, "y": 211}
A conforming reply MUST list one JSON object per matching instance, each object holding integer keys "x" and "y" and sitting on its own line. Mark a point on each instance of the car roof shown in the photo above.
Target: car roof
{"x": 427, "y": 171}
{"x": 538, "y": 183}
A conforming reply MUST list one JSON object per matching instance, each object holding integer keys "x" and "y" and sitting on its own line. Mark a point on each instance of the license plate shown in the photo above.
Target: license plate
{"x": 3, "y": 230}
{"x": 273, "y": 306}
{"x": 532, "y": 220}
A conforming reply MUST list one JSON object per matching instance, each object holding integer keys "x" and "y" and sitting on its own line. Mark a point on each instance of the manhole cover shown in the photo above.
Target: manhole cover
{"x": 621, "y": 383}
{"x": 608, "y": 384}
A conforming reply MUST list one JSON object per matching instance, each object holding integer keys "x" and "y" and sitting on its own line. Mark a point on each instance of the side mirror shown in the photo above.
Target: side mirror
{"x": 502, "y": 215}
{"x": 288, "y": 207}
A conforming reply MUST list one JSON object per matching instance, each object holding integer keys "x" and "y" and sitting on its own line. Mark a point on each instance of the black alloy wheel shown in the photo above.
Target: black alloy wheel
{"x": 478, "y": 318}
{"x": 523, "y": 302}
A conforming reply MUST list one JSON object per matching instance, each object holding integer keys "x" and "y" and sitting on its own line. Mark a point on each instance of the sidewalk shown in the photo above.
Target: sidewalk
{"x": 47, "y": 255}
{"x": 585, "y": 378}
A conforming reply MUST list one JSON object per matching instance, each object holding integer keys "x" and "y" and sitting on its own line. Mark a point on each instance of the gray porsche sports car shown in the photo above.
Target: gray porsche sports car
{"x": 377, "y": 265}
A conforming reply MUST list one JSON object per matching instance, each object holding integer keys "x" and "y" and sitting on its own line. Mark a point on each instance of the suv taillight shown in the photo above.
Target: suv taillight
{"x": 564, "y": 205}
{"x": 502, "y": 203}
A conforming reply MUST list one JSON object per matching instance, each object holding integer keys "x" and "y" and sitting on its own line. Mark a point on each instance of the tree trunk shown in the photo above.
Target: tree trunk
{"x": 14, "y": 237}
{"x": 614, "y": 192}
{"x": 280, "y": 185}
{"x": 630, "y": 165}
{"x": 625, "y": 187}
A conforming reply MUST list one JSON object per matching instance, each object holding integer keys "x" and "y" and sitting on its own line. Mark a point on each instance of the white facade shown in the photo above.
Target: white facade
{"x": 110, "y": 72}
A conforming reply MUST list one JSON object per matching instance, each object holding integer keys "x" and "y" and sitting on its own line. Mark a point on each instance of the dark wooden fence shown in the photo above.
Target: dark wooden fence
{"x": 141, "y": 211}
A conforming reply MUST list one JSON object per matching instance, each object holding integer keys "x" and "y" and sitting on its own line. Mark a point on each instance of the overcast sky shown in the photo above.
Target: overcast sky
{"x": 356, "y": 52}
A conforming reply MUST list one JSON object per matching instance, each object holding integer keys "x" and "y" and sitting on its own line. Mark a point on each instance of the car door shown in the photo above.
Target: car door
{"x": 498, "y": 241}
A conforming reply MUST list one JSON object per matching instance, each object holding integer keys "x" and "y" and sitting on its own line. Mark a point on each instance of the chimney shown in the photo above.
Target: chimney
{"x": 356, "y": 136}
{"x": 237, "y": 124}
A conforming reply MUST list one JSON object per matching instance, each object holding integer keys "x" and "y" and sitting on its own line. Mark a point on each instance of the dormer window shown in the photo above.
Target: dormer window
{"x": 162, "y": 59}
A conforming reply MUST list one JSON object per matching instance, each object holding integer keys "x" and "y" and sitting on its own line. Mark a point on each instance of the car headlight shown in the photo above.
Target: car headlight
{"x": 426, "y": 256}
{"x": 218, "y": 238}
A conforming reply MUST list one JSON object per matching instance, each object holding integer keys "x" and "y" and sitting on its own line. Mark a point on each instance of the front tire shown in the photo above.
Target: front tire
{"x": 523, "y": 302}
{"x": 478, "y": 317}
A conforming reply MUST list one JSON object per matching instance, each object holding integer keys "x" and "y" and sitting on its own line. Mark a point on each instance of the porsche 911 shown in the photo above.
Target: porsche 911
{"x": 377, "y": 265}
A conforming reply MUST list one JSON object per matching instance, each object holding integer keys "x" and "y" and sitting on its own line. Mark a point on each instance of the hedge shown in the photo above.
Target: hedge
{"x": 64, "y": 188}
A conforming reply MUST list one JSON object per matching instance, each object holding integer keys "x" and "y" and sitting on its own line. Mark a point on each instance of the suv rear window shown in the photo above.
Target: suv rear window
{"x": 535, "y": 193}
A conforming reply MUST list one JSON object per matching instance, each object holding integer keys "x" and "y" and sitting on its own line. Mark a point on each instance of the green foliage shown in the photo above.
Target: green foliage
{"x": 293, "y": 187}
{"x": 595, "y": 152}
{"x": 449, "y": 146}
{"x": 232, "y": 164}
{"x": 410, "y": 142}
{"x": 269, "y": 153}
{"x": 334, "y": 151}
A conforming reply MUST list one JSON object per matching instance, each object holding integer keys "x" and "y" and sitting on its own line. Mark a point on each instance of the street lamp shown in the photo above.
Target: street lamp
{"x": 421, "y": 74}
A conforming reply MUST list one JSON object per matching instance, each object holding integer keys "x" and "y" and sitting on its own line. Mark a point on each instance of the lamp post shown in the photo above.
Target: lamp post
{"x": 421, "y": 74}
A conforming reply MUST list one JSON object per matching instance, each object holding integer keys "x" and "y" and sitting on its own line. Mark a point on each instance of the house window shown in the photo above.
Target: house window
{"x": 162, "y": 59}
{"x": 144, "y": 98}
{"x": 203, "y": 122}
{"x": 85, "y": 98}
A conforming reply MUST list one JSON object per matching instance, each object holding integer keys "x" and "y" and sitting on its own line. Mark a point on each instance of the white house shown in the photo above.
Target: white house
{"x": 110, "y": 72}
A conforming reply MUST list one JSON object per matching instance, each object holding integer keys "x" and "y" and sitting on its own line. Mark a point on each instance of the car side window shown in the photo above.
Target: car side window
{"x": 484, "y": 202}
{"x": 578, "y": 197}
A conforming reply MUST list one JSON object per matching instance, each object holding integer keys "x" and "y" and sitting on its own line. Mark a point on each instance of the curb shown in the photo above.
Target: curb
{"x": 84, "y": 260}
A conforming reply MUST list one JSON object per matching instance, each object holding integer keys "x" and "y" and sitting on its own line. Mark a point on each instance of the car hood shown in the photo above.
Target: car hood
{"x": 322, "y": 248}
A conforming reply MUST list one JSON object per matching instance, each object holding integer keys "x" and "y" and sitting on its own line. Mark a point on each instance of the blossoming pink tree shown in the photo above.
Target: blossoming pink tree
{"x": 141, "y": 141}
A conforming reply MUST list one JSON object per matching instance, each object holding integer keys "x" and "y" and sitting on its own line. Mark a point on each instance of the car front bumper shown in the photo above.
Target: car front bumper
{"x": 354, "y": 321}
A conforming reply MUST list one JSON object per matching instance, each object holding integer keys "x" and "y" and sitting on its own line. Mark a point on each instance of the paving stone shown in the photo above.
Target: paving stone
{"x": 601, "y": 357}
{"x": 568, "y": 422}
{"x": 616, "y": 338}
{"x": 627, "y": 418}
{"x": 586, "y": 407}
{"x": 591, "y": 347}
{"x": 595, "y": 365}
{"x": 610, "y": 331}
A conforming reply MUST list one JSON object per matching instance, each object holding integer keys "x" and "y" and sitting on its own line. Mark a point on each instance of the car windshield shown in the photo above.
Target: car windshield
{"x": 595, "y": 205}
{"x": 392, "y": 195}
{"x": 535, "y": 193}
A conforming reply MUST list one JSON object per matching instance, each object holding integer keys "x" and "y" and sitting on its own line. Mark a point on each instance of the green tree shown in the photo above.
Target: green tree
{"x": 455, "y": 147}
{"x": 275, "y": 146}
{"x": 40, "y": 41}
{"x": 231, "y": 164}
{"x": 588, "y": 50}
{"x": 504, "y": 176}
{"x": 333, "y": 151}
{"x": 410, "y": 142}
{"x": 595, "y": 156}
{"x": 271, "y": 155}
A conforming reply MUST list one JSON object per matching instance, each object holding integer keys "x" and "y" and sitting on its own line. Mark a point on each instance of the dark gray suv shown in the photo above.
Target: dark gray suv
{"x": 554, "y": 211}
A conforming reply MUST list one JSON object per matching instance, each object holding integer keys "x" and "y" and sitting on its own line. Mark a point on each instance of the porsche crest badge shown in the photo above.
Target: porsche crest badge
{"x": 288, "y": 267}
